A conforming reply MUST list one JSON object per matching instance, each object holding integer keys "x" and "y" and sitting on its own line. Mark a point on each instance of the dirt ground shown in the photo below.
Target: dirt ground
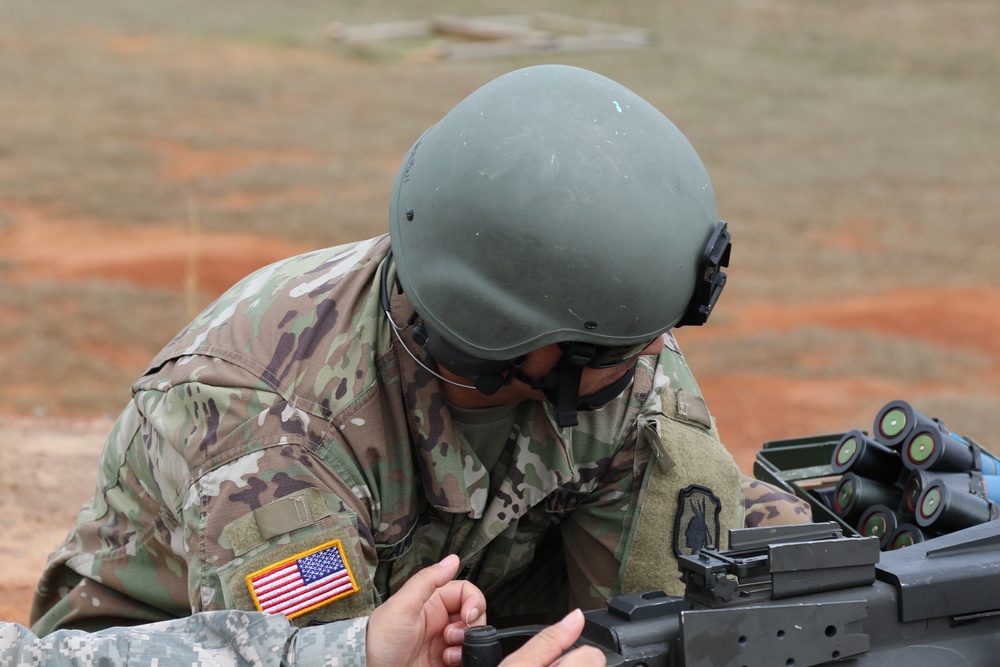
{"x": 46, "y": 473}
{"x": 148, "y": 160}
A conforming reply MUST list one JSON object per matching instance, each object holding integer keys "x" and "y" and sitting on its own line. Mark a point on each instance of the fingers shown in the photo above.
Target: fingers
{"x": 468, "y": 601}
{"x": 545, "y": 648}
{"x": 472, "y": 609}
{"x": 464, "y": 602}
{"x": 453, "y": 656}
{"x": 408, "y": 602}
{"x": 473, "y": 603}
{"x": 411, "y": 621}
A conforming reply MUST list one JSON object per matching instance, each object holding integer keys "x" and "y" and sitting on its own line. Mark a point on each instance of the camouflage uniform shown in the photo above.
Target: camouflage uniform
{"x": 216, "y": 638}
{"x": 287, "y": 419}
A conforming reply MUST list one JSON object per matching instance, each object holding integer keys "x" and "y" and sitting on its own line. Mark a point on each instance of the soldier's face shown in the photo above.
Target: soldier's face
{"x": 538, "y": 364}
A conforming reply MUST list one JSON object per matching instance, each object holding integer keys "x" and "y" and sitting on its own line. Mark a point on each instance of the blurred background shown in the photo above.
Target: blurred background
{"x": 151, "y": 154}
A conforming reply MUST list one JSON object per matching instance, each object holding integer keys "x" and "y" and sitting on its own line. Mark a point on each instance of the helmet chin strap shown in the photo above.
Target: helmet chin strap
{"x": 562, "y": 388}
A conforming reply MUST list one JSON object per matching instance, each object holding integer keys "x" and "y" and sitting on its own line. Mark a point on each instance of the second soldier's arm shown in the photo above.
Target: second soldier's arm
{"x": 421, "y": 625}
{"x": 767, "y": 505}
{"x": 218, "y": 638}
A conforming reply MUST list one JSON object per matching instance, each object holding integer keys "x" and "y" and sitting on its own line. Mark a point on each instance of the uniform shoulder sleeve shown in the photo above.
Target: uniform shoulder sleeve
{"x": 232, "y": 638}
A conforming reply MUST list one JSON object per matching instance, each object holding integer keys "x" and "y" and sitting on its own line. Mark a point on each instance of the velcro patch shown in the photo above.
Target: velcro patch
{"x": 692, "y": 408}
{"x": 696, "y": 524}
{"x": 303, "y": 582}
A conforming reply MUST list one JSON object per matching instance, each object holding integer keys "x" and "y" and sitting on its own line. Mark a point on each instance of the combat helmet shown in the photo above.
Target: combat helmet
{"x": 553, "y": 205}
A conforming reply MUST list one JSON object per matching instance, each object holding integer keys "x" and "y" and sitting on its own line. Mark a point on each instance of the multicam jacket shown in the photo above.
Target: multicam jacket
{"x": 287, "y": 429}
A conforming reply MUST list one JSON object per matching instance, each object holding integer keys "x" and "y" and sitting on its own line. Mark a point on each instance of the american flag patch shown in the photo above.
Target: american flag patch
{"x": 299, "y": 584}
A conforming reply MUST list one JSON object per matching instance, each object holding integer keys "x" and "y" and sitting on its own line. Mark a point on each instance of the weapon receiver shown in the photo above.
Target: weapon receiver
{"x": 797, "y": 596}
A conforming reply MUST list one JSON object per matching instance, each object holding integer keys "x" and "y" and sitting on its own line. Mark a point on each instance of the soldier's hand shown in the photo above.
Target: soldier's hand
{"x": 424, "y": 623}
{"x": 545, "y": 648}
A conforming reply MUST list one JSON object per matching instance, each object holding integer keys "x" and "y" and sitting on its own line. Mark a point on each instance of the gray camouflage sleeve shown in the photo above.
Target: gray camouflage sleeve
{"x": 217, "y": 638}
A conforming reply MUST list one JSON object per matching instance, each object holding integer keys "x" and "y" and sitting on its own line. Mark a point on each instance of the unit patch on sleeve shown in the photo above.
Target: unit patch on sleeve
{"x": 696, "y": 524}
{"x": 303, "y": 582}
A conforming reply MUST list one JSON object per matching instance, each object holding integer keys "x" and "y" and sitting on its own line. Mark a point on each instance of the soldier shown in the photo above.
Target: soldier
{"x": 495, "y": 378}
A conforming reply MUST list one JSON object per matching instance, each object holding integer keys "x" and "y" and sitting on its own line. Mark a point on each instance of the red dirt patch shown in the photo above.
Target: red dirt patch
{"x": 753, "y": 409}
{"x": 43, "y": 246}
{"x": 182, "y": 163}
{"x": 951, "y": 317}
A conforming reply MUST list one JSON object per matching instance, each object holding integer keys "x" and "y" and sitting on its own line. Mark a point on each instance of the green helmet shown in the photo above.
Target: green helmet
{"x": 553, "y": 205}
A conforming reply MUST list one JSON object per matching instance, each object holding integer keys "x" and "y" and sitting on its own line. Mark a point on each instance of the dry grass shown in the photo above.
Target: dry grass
{"x": 74, "y": 349}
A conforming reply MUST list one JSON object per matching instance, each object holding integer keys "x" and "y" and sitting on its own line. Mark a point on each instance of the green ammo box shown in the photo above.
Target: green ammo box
{"x": 802, "y": 466}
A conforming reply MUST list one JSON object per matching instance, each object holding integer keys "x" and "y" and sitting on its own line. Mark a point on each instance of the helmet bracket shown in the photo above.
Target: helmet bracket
{"x": 712, "y": 278}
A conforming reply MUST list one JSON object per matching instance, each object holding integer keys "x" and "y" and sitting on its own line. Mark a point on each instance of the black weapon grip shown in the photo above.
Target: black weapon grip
{"x": 481, "y": 647}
